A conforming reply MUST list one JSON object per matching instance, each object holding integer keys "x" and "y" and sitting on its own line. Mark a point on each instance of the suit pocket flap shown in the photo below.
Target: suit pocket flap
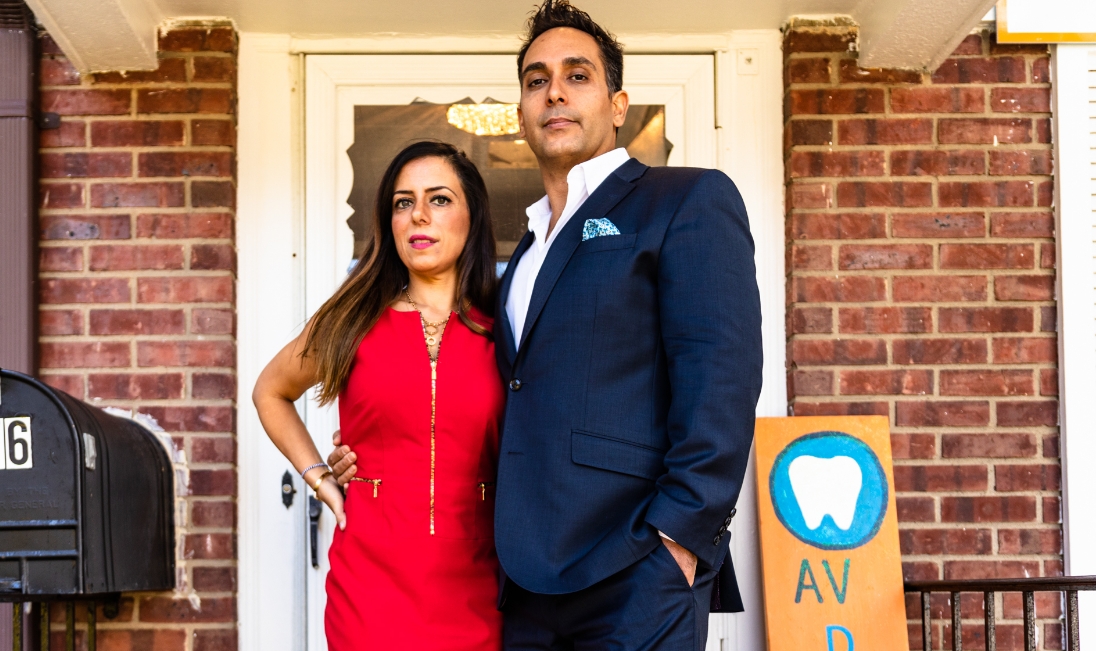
{"x": 616, "y": 455}
{"x": 607, "y": 243}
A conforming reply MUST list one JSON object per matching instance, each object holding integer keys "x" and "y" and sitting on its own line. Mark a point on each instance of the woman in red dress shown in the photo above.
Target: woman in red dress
{"x": 405, "y": 347}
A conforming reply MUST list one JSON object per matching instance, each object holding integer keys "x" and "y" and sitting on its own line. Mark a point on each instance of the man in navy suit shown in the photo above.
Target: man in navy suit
{"x": 628, "y": 332}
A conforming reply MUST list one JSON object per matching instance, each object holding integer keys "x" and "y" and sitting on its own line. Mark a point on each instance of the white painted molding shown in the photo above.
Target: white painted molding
{"x": 1074, "y": 168}
{"x": 102, "y": 35}
{"x": 914, "y": 33}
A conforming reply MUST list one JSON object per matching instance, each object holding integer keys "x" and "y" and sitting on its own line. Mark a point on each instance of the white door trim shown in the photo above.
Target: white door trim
{"x": 270, "y": 293}
{"x": 1075, "y": 217}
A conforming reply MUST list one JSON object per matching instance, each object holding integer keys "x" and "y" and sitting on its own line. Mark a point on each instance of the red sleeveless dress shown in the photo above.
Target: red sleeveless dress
{"x": 415, "y": 567}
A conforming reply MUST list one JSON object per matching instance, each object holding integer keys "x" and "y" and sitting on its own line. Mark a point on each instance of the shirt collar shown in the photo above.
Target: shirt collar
{"x": 582, "y": 180}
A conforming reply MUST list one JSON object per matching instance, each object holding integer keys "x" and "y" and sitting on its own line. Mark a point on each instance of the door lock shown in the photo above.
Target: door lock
{"x": 288, "y": 491}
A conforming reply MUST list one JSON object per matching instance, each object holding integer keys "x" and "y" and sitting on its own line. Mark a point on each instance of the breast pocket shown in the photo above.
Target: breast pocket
{"x": 606, "y": 243}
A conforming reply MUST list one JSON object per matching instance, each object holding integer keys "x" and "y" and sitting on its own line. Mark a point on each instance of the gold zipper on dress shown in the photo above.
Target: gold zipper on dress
{"x": 433, "y": 413}
{"x": 376, "y": 483}
{"x": 483, "y": 489}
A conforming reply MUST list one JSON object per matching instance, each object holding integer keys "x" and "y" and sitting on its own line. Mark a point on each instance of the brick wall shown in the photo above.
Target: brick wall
{"x": 921, "y": 287}
{"x": 137, "y": 275}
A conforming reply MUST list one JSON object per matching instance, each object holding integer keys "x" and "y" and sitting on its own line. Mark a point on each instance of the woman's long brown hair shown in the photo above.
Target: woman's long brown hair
{"x": 379, "y": 278}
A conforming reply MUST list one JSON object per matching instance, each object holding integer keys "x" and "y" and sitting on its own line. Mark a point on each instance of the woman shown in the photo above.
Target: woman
{"x": 405, "y": 346}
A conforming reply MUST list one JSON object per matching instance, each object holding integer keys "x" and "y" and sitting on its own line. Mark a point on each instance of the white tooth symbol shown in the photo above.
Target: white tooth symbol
{"x": 826, "y": 486}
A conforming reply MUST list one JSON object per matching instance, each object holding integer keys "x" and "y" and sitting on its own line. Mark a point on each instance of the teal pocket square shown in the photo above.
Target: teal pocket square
{"x": 597, "y": 228}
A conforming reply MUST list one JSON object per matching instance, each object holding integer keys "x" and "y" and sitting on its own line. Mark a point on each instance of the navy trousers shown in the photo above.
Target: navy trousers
{"x": 648, "y": 606}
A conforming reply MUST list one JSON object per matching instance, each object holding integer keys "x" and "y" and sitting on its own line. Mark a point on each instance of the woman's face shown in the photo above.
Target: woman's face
{"x": 430, "y": 217}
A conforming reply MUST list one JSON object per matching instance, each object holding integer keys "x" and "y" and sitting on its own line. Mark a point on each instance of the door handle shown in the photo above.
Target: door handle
{"x": 315, "y": 508}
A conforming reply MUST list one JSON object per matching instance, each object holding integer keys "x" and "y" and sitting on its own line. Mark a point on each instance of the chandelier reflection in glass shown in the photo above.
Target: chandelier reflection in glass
{"x": 487, "y": 119}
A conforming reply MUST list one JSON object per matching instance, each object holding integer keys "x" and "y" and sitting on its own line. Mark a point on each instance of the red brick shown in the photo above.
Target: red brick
{"x": 212, "y": 132}
{"x": 212, "y": 482}
{"x": 171, "y": 610}
{"x": 939, "y": 288}
{"x": 1052, "y": 510}
{"x": 939, "y": 225}
{"x": 986, "y": 70}
{"x": 941, "y": 478}
{"x": 86, "y": 101}
{"x": 1022, "y": 224}
{"x": 835, "y": 101}
{"x": 810, "y": 132}
{"x": 987, "y": 509}
{"x": 1042, "y": 130}
{"x": 1014, "y": 478}
{"x": 855, "y": 289}
{"x": 916, "y": 509}
{"x": 1025, "y": 350}
{"x": 1040, "y": 71}
{"x": 137, "y": 133}
{"x": 956, "y": 570}
{"x": 213, "y": 289}
{"x": 986, "y": 383}
{"x": 215, "y": 640}
{"x": 885, "y": 256}
{"x": 1048, "y": 319}
{"x": 195, "y": 419}
{"x": 987, "y": 256}
{"x": 809, "y": 195}
{"x": 161, "y": 639}
{"x": 939, "y": 542}
{"x": 1023, "y": 288}
{"x": 913, "y": 446}
{"x": 852, "y": 73}
{"x": 58, "y": 72}
{"x": 988, "y": 193}
{"x": 155, "y": 195}
{"x": 884, "y": 319}
{"x": 1048, "y": 254}
{"x": 970, "y": 45}
{"x": 213, "y": 322}
{"x": 936, "y": 163}
{"x": 214, "y": 69}
{"x": 60, "y": 258}
{"x": 937, "y": 100}
{"x": 843, "y": 408}
{"x": 123, "y": 257}
{"x": 199, "y": 39}
{"x": 137, "y": 322}
{"x": 85, "y": 354}
{"x": 184, "y": 100}
{"x": 1048, "y": 382}
{"x": 84, "y": 290}
{"x": 210, "y": 226}
{"x": 884, "y": 193}
{"x": 204, "y": 546}
{"x": 1019, "y": 162}
{"x": 812, "y": 383}
{"x": 947, "y": 413}
{"x": 1020, "y": 100}
{"x": 985, "y": 131}
{"x": 213, "y": 194}
{"x": 82, "y": 165}
{"x": 60, "y": 195}
{"x": 213, "y": 449}
{"x": 141, "y": 386}
{"x": 807, "y": 71}
{"x": 822, "y": 40}
{"x": 186, "y": 353}
{"x": 214, "y": 386}
{"x": 807, "y": 258}
{"x": 216, "y": 579}
{"x": 193, "y": 163}
{"x": 168, "y": 70}
{"x": 1050, "y": 442}
{"x": 213, "y": 257}
{"x": 83, "y": 227}
{"x": 986, "y": 319}
{"x": 70, "y": 134}
{"x": 70, "y": 384}
{"x": 939, "y": 351}
{"x": 995, "y": 445}
{"x": 843, "y": 226}
{"x": 865, "y": 382}
{"x": 1028, "y": 413}
{"x": 1029, "y": 541}
{"x": 60, "y": 322}
{"x": 811, "y": 320}
{"x": 207, "y": 513}
{"x": 892, "y": 131}
{"x": 841, "y": 163}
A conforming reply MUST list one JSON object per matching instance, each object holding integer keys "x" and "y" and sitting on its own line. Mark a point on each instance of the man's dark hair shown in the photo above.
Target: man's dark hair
{"x": 561, "y": 13}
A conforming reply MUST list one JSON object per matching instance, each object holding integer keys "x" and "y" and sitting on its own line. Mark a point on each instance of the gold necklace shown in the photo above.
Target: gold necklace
{"x": 430, "y": 330}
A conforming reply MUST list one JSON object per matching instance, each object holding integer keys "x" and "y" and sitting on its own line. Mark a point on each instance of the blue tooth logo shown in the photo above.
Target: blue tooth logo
{"x": 829, "y": 490}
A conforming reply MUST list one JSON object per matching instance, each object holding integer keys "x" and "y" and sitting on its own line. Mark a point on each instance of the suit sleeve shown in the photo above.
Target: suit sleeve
{"x": 710, "y": 315}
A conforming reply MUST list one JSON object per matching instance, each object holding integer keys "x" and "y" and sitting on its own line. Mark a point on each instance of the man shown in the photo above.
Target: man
{"x": 628, "y": 331}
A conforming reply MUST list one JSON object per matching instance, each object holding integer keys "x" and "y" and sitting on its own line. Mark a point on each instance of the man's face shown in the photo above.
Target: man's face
{"x": 567, "y": 113}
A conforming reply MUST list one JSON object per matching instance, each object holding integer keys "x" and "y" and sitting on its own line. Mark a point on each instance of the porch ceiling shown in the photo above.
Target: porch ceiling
{"x": 120, "y": 34}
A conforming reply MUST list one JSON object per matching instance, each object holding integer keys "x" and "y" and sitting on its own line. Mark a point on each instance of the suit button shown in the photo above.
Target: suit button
{"x": 727, "y": 522}
{"x": 723, "y": 530}
{"x": 515, "y": 384}
{"x": 715, "y": 541}
{"x": 733, "y": 513}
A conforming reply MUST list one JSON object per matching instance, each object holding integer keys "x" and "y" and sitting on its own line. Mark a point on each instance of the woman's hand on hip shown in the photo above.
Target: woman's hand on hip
{"x": 341, "y": 460}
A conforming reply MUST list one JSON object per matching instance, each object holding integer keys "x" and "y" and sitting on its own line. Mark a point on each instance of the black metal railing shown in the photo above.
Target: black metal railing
{"x": 1070, "y": 585}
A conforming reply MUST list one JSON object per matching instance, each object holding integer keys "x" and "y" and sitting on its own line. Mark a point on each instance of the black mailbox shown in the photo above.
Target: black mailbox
{"x": 86, "y": 498}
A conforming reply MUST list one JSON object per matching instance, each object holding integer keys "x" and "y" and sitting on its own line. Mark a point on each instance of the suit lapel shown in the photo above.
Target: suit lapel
{"x": 505, "y": 330}
{"x": 614, "y": 188}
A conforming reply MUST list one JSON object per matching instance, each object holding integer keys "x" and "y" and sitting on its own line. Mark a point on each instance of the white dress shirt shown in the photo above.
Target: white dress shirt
{"x": 582, "y": 180}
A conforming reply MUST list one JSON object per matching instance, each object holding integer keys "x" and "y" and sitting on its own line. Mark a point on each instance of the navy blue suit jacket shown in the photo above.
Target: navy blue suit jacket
{"x": 632, "y": 390}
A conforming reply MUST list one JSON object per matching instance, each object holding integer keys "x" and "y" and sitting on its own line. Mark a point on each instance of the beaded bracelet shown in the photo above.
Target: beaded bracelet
{"x": 315, "y": 465}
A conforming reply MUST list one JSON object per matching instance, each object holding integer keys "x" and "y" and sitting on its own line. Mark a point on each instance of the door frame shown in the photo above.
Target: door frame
{"x": 271, "y": 234}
